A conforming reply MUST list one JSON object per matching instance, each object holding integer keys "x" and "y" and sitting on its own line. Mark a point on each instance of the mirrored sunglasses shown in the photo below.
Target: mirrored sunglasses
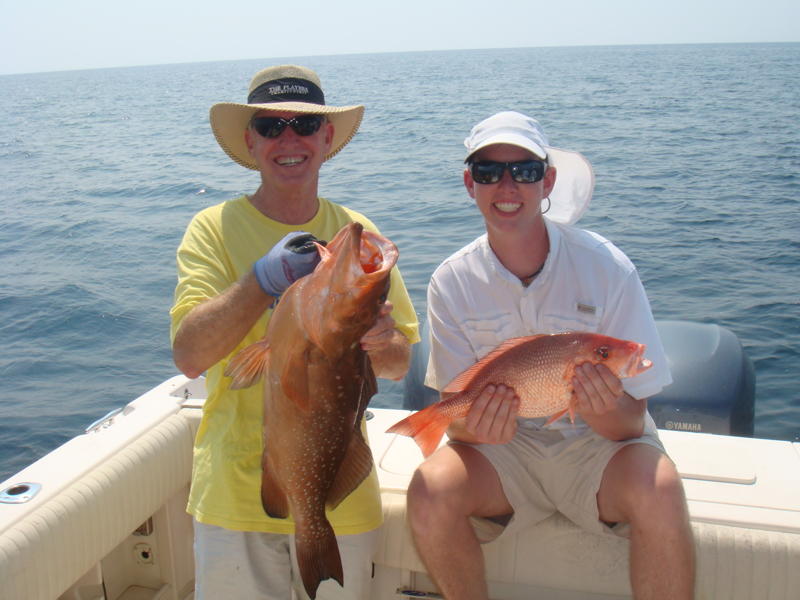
{"x": 523, "y": 171}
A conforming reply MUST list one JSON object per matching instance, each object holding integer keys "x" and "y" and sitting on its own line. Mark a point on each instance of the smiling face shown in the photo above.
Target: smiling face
{"x": 289, "y": 159}
{"x": 508, "y": 206}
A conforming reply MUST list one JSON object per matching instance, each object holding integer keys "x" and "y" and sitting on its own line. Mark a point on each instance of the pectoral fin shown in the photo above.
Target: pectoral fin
{"x": 249, "y": 365}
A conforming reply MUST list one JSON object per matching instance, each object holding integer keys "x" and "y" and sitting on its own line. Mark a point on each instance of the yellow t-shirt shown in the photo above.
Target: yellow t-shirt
{"x": 220, "y": 245}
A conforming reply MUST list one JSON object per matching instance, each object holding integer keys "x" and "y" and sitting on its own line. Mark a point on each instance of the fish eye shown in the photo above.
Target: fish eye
{"x": 602, "y": 352}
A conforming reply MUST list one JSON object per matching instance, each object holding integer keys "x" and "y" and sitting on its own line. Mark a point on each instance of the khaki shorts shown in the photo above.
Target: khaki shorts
{"x": 263, "y": 566}
{"x": 543, "y": 472}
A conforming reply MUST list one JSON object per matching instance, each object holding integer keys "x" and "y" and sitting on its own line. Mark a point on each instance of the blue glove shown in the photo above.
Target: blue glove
{"x": 288, "y": 260}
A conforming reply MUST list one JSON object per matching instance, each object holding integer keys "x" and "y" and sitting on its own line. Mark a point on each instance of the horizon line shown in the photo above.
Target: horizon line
{"x": 333, "y": 54}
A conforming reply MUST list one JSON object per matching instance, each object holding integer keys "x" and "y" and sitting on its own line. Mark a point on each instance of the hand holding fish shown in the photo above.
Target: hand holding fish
{"x": 492, "y": 418}
{"x": 380, "y": 335}
{"x": 597, "y": 390}
{"x": 599, "y": 398}
{"x": 388, "y": 349}
{"x": 294, "y": 256}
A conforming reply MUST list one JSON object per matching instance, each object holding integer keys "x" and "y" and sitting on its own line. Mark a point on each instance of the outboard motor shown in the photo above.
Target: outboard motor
{"x": 713, "y": 380}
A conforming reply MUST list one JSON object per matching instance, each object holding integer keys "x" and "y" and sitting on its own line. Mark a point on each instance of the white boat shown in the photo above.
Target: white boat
{"x": 103, "y": 516}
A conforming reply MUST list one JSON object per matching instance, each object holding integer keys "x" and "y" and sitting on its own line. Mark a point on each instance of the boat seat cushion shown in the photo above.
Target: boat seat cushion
{"x": 732, "y": 562}
{"x": 45, "y": 552}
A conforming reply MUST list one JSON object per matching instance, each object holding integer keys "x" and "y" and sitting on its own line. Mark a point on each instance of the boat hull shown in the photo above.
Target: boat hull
{"x": 120, "y": 524}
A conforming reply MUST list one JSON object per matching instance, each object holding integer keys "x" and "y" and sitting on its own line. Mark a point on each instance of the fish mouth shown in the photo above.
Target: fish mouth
{"x": 637, "y": 362}
{"x": 373, "y": 253}
{"x": 377, "y": 253}
{"x": 348, "y": 285}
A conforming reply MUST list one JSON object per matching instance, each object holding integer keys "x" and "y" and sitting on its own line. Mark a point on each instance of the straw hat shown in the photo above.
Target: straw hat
{"x": 287, "y": 88}
{"x": 572, "y": 193}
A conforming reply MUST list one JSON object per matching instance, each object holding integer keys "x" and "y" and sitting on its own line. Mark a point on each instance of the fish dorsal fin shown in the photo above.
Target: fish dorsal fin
{"x": 249, "y": 365}
{"x": 463, "y": 381}
{"x": 355, "y": 467}
{"x": 294, "y": 379}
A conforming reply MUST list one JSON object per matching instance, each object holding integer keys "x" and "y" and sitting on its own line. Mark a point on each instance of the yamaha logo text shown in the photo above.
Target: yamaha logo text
{"x": 683, "y": 426}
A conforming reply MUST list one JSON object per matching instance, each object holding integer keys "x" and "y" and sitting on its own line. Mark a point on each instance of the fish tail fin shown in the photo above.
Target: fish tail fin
{"x": 426, "y": 426}
{"x": 318, "y": 557}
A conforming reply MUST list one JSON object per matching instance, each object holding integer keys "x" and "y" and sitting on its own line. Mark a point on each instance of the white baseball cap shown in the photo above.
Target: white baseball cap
{"x": 574, "y": 185}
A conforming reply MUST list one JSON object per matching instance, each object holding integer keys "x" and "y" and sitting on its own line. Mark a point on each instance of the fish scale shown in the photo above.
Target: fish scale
{"x": 542, "y": 383}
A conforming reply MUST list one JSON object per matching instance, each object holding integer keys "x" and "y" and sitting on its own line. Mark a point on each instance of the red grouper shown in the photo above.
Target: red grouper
{"x": 317, "y": 386}
{"x": 539, "y": 368}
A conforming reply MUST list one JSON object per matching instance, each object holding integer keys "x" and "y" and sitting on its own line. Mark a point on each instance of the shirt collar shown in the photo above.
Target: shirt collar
{"x": 554, "y": 235}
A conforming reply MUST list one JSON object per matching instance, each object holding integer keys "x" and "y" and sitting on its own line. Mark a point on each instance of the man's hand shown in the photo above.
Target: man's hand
{"x": 597, "y": 390}
{"x": 380, "y": 335}
{"x": 293, "y": 257}
{"x": 492, "y": 418}
{"x": 601, "y": 401}
{"x": 387, "y": 347}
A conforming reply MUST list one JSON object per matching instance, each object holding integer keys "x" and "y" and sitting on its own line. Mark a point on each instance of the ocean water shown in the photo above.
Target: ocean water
{"x": 696, "y": 151}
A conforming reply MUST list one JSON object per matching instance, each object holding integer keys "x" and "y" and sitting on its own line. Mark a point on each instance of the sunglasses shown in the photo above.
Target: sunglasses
{"x": 523, "y": 171}
{"x": 272, "y": 127}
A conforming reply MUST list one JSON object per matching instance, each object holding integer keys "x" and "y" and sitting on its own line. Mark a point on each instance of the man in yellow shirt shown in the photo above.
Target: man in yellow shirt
{"x": 234, "y": 261}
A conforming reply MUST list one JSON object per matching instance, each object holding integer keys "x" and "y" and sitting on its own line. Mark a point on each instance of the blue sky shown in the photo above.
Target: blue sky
{"x": 55, "y": 35}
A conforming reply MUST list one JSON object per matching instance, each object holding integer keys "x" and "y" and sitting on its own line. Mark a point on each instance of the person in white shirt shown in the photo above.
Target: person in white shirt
{"x": 534, "y": 272}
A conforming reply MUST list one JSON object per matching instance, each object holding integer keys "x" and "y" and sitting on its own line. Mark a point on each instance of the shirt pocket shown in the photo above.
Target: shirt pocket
{"x": 580, "y": 321}
{"x": 486, "y": 333}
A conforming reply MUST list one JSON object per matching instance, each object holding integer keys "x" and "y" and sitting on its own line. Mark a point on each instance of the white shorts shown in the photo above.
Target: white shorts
{"x": 263, "y": 566}
{"x": 543, "y": 472}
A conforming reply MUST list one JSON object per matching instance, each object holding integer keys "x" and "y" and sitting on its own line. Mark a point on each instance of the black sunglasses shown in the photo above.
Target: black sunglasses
{"x": 272, "y": 127}
{"x": 523, "y": 171}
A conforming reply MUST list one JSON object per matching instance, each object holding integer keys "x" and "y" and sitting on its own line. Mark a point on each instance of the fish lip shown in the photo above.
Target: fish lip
{"x": 357, "y": 235}
{"x": 638, "y": 363}
{"x": 389, "y": 251}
